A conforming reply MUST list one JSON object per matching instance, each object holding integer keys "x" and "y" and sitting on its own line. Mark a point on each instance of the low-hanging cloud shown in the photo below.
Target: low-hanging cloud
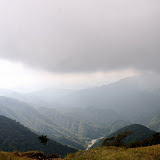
{"x": 81, "y": 35}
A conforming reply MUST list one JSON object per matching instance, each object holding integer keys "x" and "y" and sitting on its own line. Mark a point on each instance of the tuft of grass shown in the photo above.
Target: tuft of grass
{"x": 19, "y": 156}
{"x": 12, "y": 156}
{"x": 114, "y": 153}
{"x": 33, "y": 154}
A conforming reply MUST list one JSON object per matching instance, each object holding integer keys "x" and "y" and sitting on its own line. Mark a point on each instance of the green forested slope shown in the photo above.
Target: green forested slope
{"x": 14, "y": 136}
{"x": 37, "y": 122}
{"x": 67, "y": 127}
{"x": 139, "y": 132}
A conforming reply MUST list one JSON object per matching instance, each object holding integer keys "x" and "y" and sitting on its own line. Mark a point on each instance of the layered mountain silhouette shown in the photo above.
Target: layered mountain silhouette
{"x": 76, "y": 117}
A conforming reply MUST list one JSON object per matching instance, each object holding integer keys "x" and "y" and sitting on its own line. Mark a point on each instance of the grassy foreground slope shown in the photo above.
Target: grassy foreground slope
{"x": 114, "y": 153}
{"x": 11, "y": 156}
{"x": 101, "y": 153}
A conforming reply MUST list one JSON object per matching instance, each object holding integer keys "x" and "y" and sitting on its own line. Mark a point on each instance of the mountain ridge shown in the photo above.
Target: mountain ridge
{"x": 14, "y": 136}
{"x": 138, "y": 133}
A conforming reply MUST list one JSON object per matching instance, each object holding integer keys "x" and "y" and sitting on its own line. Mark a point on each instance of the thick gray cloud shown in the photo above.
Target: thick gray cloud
{"x": 81, "y": 35}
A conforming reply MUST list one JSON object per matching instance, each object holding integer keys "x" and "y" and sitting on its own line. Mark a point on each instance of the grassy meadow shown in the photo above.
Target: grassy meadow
{"x": 99, "y": 153}
{"x": 114, "y": 153}
{"x": 11, "y": 156}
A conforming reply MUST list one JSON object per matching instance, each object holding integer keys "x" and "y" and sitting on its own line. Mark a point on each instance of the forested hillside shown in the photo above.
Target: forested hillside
{"x": 65, "y": 127}
{"x": 33, "y": 119}
{"x": 16, "y": 137}
{"x": 138, "y": 133}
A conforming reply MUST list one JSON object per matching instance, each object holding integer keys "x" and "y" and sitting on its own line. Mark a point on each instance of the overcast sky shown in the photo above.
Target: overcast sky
{"x": 78, "y": 42}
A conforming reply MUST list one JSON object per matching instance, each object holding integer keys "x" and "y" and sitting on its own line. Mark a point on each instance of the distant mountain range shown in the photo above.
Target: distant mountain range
{"x": 136, "y": 99}
{"x": 76, "y": 117}
{"x": 16, "y": 137}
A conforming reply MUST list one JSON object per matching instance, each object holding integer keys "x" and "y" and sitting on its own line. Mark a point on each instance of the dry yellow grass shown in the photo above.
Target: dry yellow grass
{"x": 113, "y": 153}
{"x": 100, "y": 153}
{"x": 12, "y": 156}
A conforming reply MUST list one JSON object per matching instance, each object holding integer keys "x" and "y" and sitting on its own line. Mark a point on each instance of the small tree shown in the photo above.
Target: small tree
{"x": 43, "y": 139}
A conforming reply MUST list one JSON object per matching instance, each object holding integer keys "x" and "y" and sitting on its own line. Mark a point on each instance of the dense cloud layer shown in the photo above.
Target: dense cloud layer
{"x": 81, "y": 35}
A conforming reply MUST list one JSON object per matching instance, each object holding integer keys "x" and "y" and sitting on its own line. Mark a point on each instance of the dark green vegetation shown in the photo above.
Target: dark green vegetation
{"x": 138, "y": 133}
{"x": 44, "y": 140}
{"x": 14, "y": 136}
{"x": 119, "y": 141}
{"x": 153, "y": 140}
{"x": 37, "y": 122}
